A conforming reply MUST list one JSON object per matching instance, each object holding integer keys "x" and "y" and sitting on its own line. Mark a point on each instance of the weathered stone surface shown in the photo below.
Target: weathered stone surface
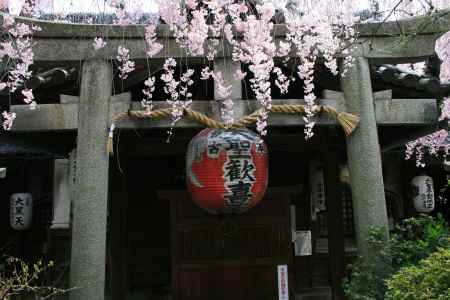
{"x": 430, "y": 24}
{"x": 46, "y": 117}
{"x": 394, "y": 42}
{"x": 407, "y": 111}
{"x": 397, "y": 49}
{"x": 390, "y": 49}
{"x": 62, "y": 196}
{"x": 88, "y": 256}
{"x": 389, "y": 112}
{"x": 364, "y": 158}
{"x": 64, "y": 116}
{"x": 57, "y": 49}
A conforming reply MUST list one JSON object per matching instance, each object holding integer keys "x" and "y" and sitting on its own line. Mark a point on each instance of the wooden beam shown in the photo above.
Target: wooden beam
{"x": 395, "y": 112}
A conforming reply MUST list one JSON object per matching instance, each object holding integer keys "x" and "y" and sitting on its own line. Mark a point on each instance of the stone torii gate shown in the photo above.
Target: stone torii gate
{"x": 90, "y": 114}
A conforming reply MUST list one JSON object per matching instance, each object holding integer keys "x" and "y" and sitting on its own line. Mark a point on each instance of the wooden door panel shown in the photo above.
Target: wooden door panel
{"x": 198, "y": 284}
{"x": 197, "y": 243}
{"x": 256, "y": 283}
{"x": 255, "y": 242}
{"x": 230, "y": 258}
{"x": 237, "y": 283}
{"x": 242, "y": 242}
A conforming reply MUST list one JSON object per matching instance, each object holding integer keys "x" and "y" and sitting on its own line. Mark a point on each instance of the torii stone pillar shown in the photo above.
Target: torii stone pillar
{"x": 87, "y": 268}
{"x": 364, "y": 158}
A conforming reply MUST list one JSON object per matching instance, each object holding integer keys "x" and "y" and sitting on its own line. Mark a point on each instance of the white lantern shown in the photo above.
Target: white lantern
{"x": 423, "y": 193}
{"x": 447, "y": 165}
{"x": 21, "y": 211}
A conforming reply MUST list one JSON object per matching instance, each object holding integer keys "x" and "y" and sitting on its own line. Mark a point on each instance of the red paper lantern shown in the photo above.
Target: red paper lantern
{"x": 227, "y": 170}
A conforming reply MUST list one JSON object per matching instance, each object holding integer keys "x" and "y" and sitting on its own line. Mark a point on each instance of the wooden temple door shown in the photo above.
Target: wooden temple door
{"x": 230, "y": 258}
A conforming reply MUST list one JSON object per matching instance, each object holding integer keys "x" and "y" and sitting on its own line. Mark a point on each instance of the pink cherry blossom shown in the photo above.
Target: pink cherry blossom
{"x": 153, "y": 47}
{"x": 283, "y": 49}
{"x": 126, "y": 66}
{"x": 239, "y": 75}
{"x": 445, "y": 110}
{"x": 196, "y": 33}
{"x": 29, "y": 8}
{"x": 205, "y": 73}
{"x": 267, "y": 10}
{"x": 120, "y": 9}
{"x": 16, "y": 47}
{"x": 176, "y": 89}
{"x": 8, "y": 119}
{"x": 29, "y": 98}
{"x": 28, "y": 94}
{"x": 147, "y": 102}
{"x": 315, "y": 29}
{"x": 8, "y": 21}
{"x": 99, "y": 43}
{"x": 319, "y": 32}
{"x": 257, "y": 49}
{"x": 281, "y": 81}
{"x": 4, "y": 4}
{"x": 192, "y": 4}
{"x": 433, "y": 144}
{"x": 223, "y": 97}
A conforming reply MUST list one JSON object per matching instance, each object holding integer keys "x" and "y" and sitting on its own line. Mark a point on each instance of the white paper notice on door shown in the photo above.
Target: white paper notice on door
{"x": 283, "y": 287}
{"x": 302, "y": 243}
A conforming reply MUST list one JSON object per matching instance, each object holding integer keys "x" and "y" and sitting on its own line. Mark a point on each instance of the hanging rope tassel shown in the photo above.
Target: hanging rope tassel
{"x": 348, "y": 121}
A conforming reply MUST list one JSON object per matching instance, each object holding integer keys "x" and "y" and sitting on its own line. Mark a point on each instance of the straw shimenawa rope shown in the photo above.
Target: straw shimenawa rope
{"x": 348, "y": 121}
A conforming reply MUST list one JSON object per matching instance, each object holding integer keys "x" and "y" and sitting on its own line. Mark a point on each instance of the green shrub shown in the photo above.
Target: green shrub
{"x": 18, "y": 278}
{"x": 413, "y": 240}
{"x": 416, "y": 238}
{"x": 429, "y": 279}
{"x": 366, "y": 280}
